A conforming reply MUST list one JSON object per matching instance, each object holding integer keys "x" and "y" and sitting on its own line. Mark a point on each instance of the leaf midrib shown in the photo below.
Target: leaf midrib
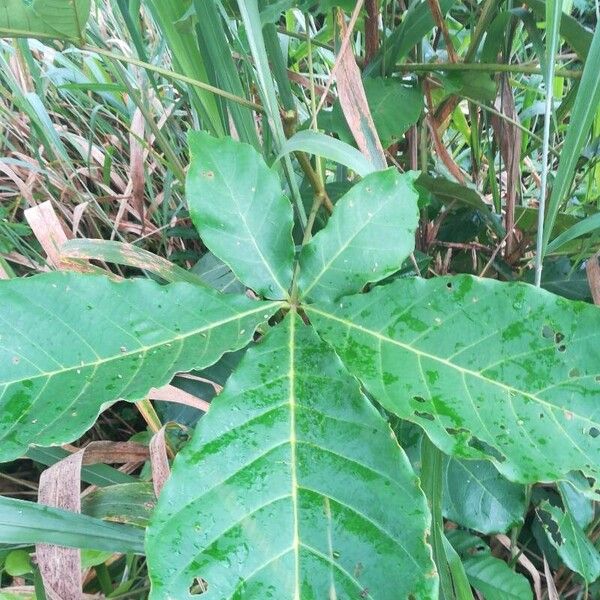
{"x": 447, "y": 363}
{"x": 293, "y": 458}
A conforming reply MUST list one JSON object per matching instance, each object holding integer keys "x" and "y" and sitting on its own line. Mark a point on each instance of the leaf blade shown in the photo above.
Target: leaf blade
{"x": 476, "y": 496}
{"x": 478, "y": 394}
{"x": 44, "y": 19}
{"x": 494, "y": 578}
{"x": 259, "y": 447}
{"x": 349, "y": 252}
{"x": 584, "y": 110}
{"x": 251, "y": 230}
{"x": 326, "y": 146}
{"x": 129, "y": 336}
{"x": 570, "y": 541}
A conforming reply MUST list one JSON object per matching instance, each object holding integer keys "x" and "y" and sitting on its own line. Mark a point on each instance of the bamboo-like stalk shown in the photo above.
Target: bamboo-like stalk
{"x": 526, "y": 69}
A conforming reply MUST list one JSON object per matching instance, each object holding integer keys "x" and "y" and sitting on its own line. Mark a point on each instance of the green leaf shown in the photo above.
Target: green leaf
{"x": 580, "y": 507}
{"x": 292, "y": 487}
{"x": 505, "y": 372}
{"x": 10, "y": 594}
{"x": 326, "y": 146}
{"x": 24, "y": 522}
{"x": 562, "y": 278}
{"x": 217, "y": 52}
{"x": 129, "y": 503}
{"x": 72, "y": 343}
{"x": 175, "y": 23}
{"x": 571, "y": 543}
{"x": 583, "y": 227}
{"x": 368, "y": 237}
{"x": 582, "y": 116}
{"x": 476, "y": 496}
{"x": 450, "y": 192}
{"x": 394, "y": 107}
{"x": 44, "y": 19}
{"x": 495, "y": 580}
{"x": 215, "y": 273}
{"x": 470, "y": 84}
{"x": 18, "y": 563}
{"x": 238, "y": 207}
{"x": 460, "y": 583}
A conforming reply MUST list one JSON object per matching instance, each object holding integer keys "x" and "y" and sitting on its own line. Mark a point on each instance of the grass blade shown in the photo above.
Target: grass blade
{"x": 127, "y": 254}
{"x": 23, "y": 522}
{"x": 216, "y": 50}
{"x": 254, "y": 31}
{"x": 584, "y": 227}
{"x": 170, "y": 16}
{"x": 584, "y": 111}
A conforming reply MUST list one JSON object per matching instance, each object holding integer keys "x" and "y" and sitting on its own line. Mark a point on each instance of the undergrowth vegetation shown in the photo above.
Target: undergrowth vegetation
{"x": 297, "y": 299}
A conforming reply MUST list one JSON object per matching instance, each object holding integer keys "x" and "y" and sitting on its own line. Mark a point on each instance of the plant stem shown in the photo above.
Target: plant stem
{"x": 149, "y": 415}
{"x": 173, "y": 75}
{"x": 315, "y": 180}
{"x": 553, "y": 14}
{"x": 303, "y": 36}
{"x": 530, "y": 69}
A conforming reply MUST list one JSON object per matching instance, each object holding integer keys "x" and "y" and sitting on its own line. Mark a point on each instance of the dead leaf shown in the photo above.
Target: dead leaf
{"x": 353, "y": 101}
{"x": 51, "y": 235}
{"x": 509, "y": 140}
{"x": 136, "y": 164}
{"x": 159, "y": 460}
{"x": 59, "y": 487}
{"x": 170, "y": 393}
{"x": 593, "y": 274}
{"x": 550, "y": 586}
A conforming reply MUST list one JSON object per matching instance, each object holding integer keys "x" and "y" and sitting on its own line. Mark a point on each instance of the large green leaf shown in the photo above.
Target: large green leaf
{"x": 239, "y": 209}
{"x": 70, "y": 343}
{"x": 506, "y": 372}
{"x": 45, "y": 19}
{"x": 292, "y": 487}
{"x": 478, "y": 497}
{"x": 368, "y": 237}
